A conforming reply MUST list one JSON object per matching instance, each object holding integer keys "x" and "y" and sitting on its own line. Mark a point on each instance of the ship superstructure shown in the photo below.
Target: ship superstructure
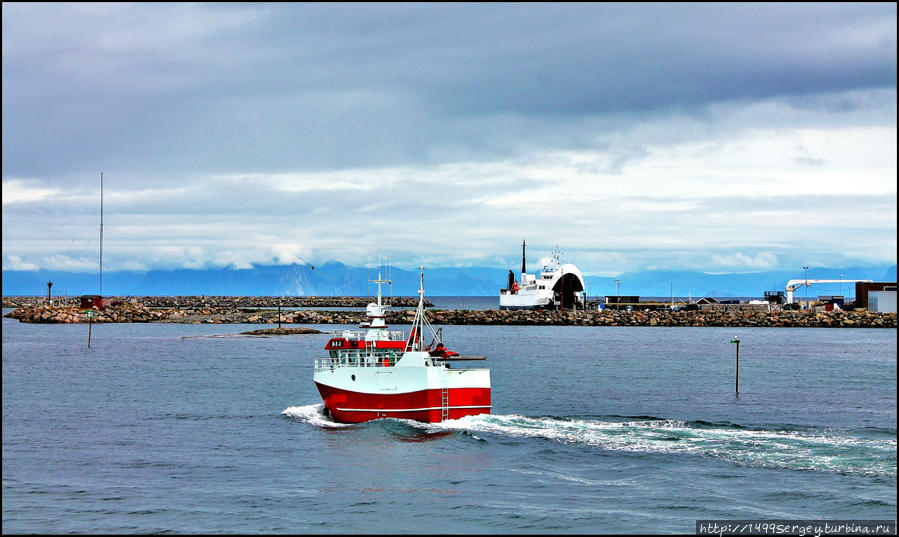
{"x": 557, "y": 286}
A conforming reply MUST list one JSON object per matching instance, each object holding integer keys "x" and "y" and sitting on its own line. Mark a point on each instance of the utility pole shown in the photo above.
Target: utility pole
{"x": 805, "y": 268}
{"x": 101, "y": 234}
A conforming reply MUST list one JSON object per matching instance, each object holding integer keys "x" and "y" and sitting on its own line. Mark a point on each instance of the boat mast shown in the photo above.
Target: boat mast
{"x": 420, "y": 321}
{"x": 379, "y": 281}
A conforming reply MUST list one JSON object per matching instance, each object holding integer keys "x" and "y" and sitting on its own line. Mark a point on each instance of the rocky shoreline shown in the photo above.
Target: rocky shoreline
{"x": 138, "y": 312}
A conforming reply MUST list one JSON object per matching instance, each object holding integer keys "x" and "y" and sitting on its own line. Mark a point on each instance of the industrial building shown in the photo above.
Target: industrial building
{"x": 876, "y": 296}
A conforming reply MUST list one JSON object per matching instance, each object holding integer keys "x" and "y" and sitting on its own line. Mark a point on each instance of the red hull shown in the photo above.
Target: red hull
{"x": 425, "y": 405}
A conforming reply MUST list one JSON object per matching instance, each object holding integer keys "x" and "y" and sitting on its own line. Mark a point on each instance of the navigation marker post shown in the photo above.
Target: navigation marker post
{"x": 90, "y": 325}
{"x": 737, "y": 380}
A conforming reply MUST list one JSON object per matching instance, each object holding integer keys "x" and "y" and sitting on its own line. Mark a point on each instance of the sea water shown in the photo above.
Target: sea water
{"x": 197, "y": 429}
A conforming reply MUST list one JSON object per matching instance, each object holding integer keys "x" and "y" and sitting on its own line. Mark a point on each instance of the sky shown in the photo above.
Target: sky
{"x": 713, "y": 137}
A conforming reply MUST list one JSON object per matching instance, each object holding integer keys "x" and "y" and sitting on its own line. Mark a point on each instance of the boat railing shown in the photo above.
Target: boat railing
{"x": 355, "y": 358}
{"x": 395, "y": 335}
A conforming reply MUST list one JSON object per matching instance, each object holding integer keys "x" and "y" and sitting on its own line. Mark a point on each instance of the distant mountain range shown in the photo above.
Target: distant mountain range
{"x": 337, "y": 279}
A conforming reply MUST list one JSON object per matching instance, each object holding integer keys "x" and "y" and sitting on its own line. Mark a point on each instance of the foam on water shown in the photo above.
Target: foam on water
{"x": 825, "y": 450}
{"x": 821, "y": 450}
{"x": 313, "y": 415}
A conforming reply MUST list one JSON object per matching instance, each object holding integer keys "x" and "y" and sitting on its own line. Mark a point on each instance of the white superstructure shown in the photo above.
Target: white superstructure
{"x": 557, "y": 286}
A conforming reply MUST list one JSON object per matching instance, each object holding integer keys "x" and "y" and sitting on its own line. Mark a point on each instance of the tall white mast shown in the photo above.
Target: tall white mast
{"x": 379, "y": 281}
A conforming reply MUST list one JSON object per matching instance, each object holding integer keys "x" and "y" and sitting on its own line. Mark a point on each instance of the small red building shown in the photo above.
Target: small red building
{"x": 91, "y": 301}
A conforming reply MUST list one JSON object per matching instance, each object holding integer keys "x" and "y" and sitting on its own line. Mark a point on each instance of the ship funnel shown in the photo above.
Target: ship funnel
{"x": 523, "y": 270}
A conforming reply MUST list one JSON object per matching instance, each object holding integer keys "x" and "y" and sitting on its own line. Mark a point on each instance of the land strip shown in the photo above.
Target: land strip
{"x": 137, "y": 312}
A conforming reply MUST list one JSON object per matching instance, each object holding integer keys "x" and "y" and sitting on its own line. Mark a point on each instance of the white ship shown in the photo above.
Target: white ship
{"x": 557, "y": 286}
{"x": 379, "y": 373}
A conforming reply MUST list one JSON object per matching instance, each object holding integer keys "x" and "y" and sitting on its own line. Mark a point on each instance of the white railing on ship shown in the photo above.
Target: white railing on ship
{"x": 363, "y": 360}
{"x": 393, "y": 335}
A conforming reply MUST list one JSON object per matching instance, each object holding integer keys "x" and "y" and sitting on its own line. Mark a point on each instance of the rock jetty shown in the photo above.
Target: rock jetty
{"x": 125, "y": 312}
{"x": 128, "y": 312}
{"x": 282, "y": 331}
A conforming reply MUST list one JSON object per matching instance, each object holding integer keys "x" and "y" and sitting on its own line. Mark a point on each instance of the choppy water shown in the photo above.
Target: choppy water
{"x": 593, "y": 430}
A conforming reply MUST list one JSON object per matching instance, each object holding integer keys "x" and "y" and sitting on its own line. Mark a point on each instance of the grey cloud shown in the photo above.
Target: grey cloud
{"x": 211, "y": 86}
{"x": 162, "y": 96}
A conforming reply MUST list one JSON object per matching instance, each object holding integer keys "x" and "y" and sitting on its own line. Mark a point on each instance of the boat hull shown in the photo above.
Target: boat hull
{"x": 424, "y": 405}
{"x": 529, "y": 308}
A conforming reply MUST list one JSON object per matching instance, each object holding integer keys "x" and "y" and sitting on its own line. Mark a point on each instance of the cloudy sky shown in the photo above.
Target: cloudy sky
{"x": 714, "y": 137}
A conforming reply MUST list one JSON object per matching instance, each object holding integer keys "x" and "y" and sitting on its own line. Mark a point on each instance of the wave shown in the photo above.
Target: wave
{"x": 313, "y": 415}
{"x": 795, "y": 449}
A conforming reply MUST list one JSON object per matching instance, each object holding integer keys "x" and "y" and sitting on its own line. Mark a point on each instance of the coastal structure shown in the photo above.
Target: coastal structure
{"x": 379, "y": 373}
{"x": 793, "y": 285}
{"x": 557, "y": 286}
{"x": 876, "y": 296}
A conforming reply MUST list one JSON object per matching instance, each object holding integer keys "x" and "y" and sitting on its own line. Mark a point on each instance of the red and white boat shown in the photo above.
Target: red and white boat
{"x": 376, "y": 373}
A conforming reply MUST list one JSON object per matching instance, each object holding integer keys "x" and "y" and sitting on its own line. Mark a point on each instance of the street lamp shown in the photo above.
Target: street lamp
{"x": 805, "y": 268}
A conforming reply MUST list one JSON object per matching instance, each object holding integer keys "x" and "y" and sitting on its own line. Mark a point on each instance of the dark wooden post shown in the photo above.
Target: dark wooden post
{"x": 90, "y": 325}
{"x": 737, "y": 379}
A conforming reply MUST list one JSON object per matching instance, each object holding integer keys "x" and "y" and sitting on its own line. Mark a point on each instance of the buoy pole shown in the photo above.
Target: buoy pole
{"x": 90, "y": 325}
{"x": 737, "y": 377}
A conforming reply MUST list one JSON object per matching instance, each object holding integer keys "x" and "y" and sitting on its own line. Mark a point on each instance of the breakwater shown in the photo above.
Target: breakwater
{"x": 135, "y": 312}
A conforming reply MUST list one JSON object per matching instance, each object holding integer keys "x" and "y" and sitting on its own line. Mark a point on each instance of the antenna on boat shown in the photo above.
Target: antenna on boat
{"x": 379, "y": 281}
{"x": 420, "y": 321}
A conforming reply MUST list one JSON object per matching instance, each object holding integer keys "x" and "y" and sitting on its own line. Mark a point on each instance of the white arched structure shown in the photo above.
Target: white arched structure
{"x": 553, "y": 287}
